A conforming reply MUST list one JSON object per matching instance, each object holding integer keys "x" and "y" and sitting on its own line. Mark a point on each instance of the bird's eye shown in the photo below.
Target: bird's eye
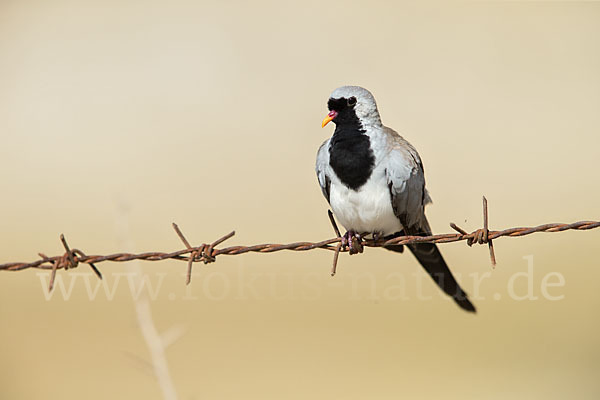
{"x": 351, "y": 101}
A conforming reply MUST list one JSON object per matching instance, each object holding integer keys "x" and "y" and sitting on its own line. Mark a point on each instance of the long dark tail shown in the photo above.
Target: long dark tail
{"x": 431, "y": 259}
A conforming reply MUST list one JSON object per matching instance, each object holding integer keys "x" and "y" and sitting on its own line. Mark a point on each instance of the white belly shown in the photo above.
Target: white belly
{"x": 367, "y": 210}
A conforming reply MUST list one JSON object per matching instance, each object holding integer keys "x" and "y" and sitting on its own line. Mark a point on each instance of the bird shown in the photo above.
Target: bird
{"x": 374, "y": 182}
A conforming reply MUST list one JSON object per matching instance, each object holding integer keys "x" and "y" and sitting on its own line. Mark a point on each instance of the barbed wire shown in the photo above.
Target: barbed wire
{"x": 207, "y": 253}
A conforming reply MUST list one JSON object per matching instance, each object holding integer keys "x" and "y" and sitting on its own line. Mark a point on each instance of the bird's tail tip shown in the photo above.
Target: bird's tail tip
{"x": 464, "y": 303}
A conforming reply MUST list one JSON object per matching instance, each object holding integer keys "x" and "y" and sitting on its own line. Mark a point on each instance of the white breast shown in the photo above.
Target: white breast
{"x": 367, "y": 210}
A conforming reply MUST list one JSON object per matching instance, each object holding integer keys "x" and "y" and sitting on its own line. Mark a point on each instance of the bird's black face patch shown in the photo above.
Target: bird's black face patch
{"x": 341, "y": 104}
{"x": 345, "y": 110}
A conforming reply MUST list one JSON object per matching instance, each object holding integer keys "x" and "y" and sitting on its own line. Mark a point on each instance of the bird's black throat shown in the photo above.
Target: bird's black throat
{"x": 350, "y": 153}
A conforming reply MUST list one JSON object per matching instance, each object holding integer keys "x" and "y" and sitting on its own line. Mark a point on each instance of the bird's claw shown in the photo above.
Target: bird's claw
{"x": 353, "y": 241}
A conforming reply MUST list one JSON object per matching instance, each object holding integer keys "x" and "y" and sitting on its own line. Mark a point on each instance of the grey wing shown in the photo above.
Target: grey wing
{"x": 324, "y": 169}
{"x": 406, "y": 181}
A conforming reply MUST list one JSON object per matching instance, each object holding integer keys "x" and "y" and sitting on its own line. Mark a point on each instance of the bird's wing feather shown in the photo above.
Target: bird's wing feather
{"x": 324, "y": 169}
{"x": 406, "y": 181}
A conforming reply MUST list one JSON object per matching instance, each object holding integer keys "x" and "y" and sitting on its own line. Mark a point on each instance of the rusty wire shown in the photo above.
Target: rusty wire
{"x": 207, "y": 253}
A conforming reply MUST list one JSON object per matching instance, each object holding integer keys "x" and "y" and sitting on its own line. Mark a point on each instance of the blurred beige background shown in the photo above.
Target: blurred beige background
{"x": 118, "y": 118}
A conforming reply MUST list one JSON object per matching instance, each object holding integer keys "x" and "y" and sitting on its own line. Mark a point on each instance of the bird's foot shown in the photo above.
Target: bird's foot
{"x": 353, "y": 241}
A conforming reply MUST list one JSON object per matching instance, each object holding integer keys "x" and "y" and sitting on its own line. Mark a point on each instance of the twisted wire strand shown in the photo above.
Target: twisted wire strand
{"x": 208, "y": 252}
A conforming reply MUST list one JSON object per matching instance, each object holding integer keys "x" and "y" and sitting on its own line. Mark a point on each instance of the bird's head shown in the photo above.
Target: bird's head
{"x": 351, "y": 104}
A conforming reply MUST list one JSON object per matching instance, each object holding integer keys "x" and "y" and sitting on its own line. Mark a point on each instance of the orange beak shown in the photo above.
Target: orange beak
{"x": 329, "y": 118}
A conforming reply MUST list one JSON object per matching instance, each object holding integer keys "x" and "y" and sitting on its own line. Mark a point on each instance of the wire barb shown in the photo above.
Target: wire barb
{"x": 69, "y": 260}
{"x": 210, "y": 254}
{"x": 480, "y": 236}
{"x": 92, "y": 266}
{"x": 53, "y": 273}
{"x": 486, "y": 232}
{"x": 72, "y": 263}
{"x": 203, "y": 252}
{"x": 339, "y": 245}
{"x": 333, "y": 223}
{"x": 194, "y": 255}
